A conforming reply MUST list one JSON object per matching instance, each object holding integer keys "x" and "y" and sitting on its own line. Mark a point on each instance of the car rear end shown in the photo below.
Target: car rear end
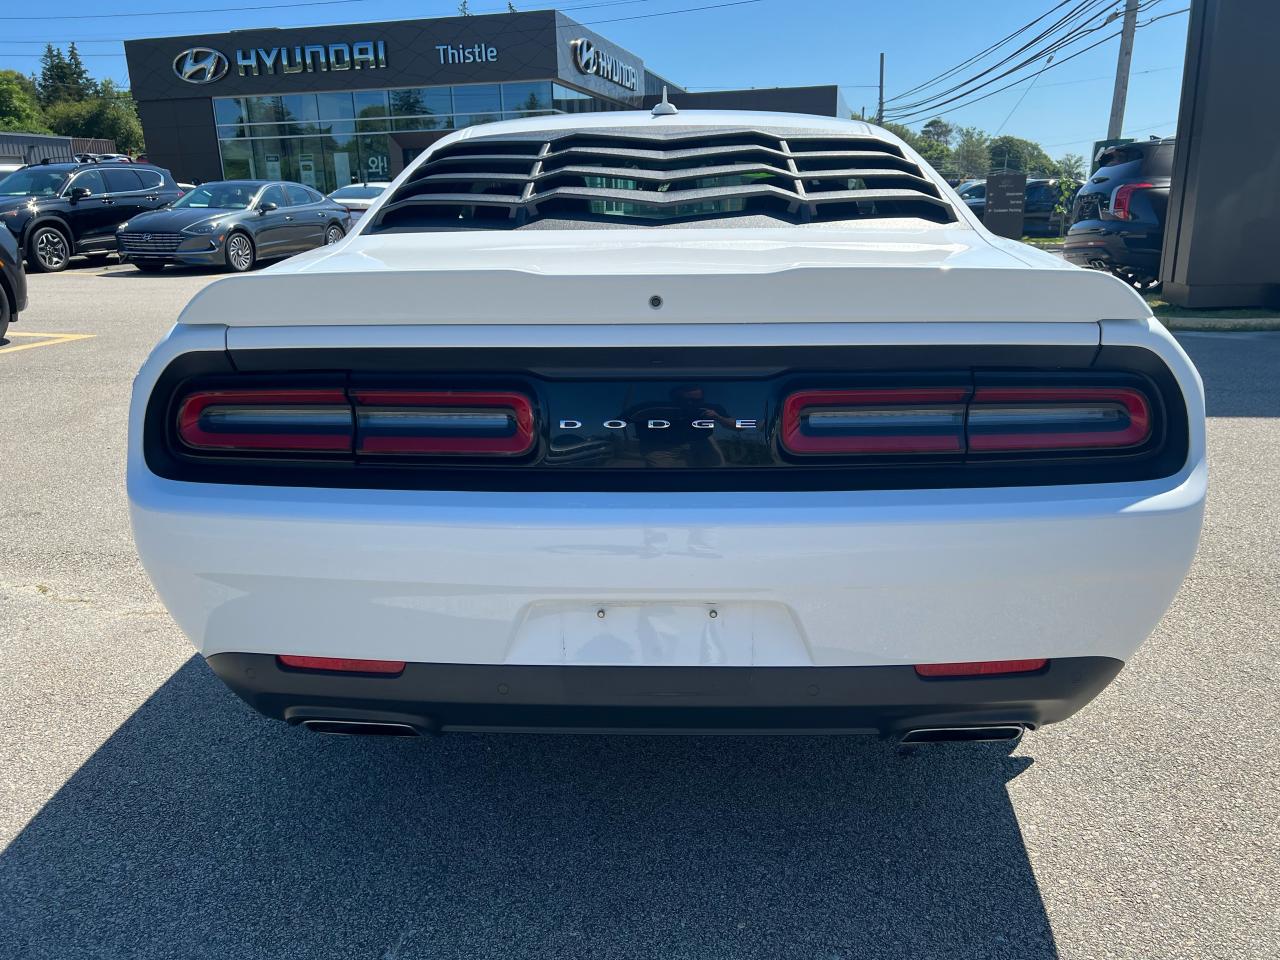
{"x": 1119, "y": 214}
{"x": 903, "y": 480}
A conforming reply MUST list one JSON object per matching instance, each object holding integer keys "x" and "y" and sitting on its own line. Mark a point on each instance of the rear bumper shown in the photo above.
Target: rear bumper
{"x": 886, "y": 701}
{"x": 1115, "y": 246}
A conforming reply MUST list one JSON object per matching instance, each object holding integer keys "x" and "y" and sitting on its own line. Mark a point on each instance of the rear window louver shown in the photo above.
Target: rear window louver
{"x": 631, "y": 177}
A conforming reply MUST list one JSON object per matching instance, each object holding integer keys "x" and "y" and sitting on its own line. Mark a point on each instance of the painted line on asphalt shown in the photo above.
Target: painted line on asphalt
{"x": 46, "y": 340}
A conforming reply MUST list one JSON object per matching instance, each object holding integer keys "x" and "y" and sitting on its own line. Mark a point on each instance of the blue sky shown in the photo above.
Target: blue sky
{"x": 758, "y": 43}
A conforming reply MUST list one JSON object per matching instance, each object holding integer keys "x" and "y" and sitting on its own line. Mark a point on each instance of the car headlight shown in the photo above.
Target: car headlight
{"x": 123, "y": 227}
{"x": 202, "y": 229}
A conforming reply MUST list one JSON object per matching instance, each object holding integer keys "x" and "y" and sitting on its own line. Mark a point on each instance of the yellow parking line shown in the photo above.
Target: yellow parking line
{"x": 49, "y": 339}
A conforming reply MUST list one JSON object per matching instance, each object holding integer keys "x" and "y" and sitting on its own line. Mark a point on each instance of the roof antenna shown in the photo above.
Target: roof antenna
{"x": 664, "y": 108}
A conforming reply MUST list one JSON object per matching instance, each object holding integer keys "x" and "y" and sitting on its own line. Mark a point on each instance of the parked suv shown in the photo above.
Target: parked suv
{"x": 58, "y": 210}
{"x": 1117, "y": 223}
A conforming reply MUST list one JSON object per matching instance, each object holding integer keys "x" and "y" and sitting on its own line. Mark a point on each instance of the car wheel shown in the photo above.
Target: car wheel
{"x": 240, "y": 253}
{"x": 49, "y": 250}
{"x": 333, "y": 234}
{"x": 146, "y": 267}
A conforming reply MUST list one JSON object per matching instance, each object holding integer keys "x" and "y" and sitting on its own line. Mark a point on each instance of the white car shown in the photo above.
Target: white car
{"x": 705, "y": 421}
{"x": 359, "y": 197}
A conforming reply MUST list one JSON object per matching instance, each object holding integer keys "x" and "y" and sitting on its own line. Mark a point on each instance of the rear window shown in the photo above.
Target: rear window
{"x": 122, "y": 181}
{"x": 1159, "y": 161}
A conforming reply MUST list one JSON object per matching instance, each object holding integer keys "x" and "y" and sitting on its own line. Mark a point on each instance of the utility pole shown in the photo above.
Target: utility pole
{"x": 880, "y": 108}
{"x": 1122, "y": 69}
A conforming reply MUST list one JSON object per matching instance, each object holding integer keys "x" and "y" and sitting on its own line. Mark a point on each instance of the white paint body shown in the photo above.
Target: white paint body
{"x": 812, "y": 578}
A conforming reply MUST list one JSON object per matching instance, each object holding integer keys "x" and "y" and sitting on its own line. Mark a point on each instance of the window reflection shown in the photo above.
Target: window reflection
{"x": 327, "y": 140}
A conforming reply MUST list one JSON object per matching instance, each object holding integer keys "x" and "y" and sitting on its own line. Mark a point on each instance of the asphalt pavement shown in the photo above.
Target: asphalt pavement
{"x": 146, "y": 812}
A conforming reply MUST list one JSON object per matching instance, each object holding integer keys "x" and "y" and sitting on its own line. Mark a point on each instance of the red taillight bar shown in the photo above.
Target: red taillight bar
{"x": 1011, "y": 419}
{"x": 923, "y": 420}
{"x": 282, "y": 420}
{"x": 341, "y": 664}
{"x": 941, "y": 420}
{"x": 980, "y": 668}
{"x": 443, "y": 422}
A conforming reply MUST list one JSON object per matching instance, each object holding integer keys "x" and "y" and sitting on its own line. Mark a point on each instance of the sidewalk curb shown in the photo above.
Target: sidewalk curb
{"x": 1233, "y": 325}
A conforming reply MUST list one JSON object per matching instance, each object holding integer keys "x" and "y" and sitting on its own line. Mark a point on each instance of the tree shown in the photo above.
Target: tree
{"x": 938, "y": 130}
{"x": 511, "y": 7}
{"x": 110, "y": 116}
{"x": 64, "y": 77}
{"x": 935, "y": 154}
{"x": 1071, "y": 165}
{"x": 19, "y": 104}
{"x": 1021, "y": 156}
{"x": 972, "y": 154}
{"x": 464, "y": 8}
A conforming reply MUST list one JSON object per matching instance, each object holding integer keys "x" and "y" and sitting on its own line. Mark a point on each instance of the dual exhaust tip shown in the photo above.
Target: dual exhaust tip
{"x": 1008, "y": 733}
{"x": 1004, "y": 732}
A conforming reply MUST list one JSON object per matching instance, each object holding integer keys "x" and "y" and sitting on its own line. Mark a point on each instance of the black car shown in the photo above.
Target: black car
{"x": 233, "y": 224}
{"x": 1118, "y": 218}
{"x": 13, "y": 282}
{"x": 1040, "y": 217}
{"x": 58, "y": 210}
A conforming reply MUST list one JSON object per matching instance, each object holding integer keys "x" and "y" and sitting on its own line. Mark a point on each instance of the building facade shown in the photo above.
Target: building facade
{"x": 331, "y": 105}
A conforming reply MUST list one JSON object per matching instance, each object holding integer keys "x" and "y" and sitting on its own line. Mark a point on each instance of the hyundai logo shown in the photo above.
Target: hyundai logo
{"x": 200, "y": 65}
{"x": 600, "y": 63}
{"x": 584, "y": 55}
{"x": 146, "y": 237}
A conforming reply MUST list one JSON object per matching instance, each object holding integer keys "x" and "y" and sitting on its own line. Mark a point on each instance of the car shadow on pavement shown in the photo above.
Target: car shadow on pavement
{"x": 202, "y": 830}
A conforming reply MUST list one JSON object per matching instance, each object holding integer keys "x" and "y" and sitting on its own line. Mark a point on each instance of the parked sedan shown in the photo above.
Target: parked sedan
{"x": 359, "y": 197}
{"x": 232, "y": 223}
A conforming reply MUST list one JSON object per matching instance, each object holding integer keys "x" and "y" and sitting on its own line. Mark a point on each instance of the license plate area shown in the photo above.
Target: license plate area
{"x": 656, "y": 633}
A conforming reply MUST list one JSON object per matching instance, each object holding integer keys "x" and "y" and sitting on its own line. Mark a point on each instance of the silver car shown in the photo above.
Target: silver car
{"x": 232, "y": 223}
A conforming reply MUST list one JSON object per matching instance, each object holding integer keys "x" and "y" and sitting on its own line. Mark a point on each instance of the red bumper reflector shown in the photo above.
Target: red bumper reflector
{"x": 979, "y": 668}
{"x": 341, "y": 664}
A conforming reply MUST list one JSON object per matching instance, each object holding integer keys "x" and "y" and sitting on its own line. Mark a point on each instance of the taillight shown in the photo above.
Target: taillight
{"x": 1123, "y": 196}
{"x": 443, "y": 423}
{"x": 955, "y": 420}
{"x": 316, "y": 421}
{"x": 925, "y": 420}
{"x": 341, "y": 664}
{"x": 1007, "y": 419}
{"x": 980, "y": 668}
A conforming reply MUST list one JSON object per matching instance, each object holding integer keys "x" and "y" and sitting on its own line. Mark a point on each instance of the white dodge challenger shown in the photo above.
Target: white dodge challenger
{"x": 692, "y": 421}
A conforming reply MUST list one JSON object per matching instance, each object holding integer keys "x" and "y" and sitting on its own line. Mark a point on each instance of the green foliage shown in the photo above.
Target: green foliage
{"x": 1013, "y": 154}
{"x": 64, "y": 77}
{"x": 64, "y": 99}
{"x": 107, "y": 118}
{"x": 19, "y": 104}
{"x": 972, "y": 154}
{"x": 1071, "y": 165}
{"x": 938, "y": 130}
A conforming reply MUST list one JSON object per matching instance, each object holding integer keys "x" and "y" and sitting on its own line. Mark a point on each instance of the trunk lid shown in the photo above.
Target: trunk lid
{"x": 669, "y": 276}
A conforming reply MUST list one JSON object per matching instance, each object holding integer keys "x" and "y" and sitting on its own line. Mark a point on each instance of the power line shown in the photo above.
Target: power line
{"x": 1086, "y": 12}
{"x": 933, "y": 108}
{"x": 1024, "y": 96}
{"x": 1149, "y": 126}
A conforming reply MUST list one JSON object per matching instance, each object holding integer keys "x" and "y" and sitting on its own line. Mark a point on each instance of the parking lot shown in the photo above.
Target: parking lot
{"x": 146, "y": 812}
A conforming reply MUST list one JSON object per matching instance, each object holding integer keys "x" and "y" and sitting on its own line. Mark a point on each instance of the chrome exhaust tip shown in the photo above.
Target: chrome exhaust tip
{"x": 1005, "y": 732}
{"x": 359, "y": 728}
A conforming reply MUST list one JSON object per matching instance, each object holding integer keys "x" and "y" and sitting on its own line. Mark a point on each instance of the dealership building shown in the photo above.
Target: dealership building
{"x": 330, "y": 105}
